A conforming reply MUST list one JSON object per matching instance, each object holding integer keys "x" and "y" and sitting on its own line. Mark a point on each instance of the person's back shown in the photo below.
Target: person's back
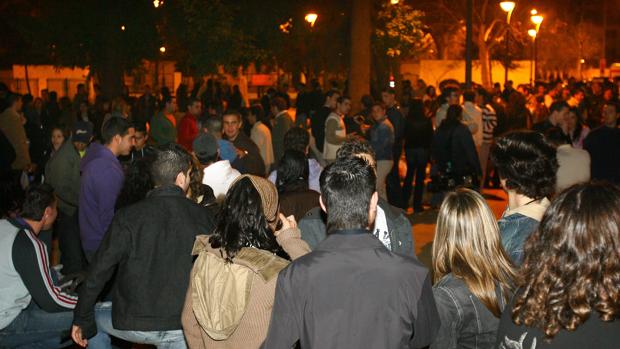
{"x": 574, "y": 167}
{"x": 603, "y": 144}
{"x": 351, "y": 291}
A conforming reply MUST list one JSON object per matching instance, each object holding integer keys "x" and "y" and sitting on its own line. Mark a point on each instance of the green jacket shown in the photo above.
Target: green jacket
{"x": 62, "y": 172}
{"x": 162, "y": 130}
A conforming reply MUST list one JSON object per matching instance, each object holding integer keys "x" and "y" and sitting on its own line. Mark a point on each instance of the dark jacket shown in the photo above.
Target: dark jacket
{"x": 603, "y": 144}
{"x": 351, "y": 292}
{"x": 456, "y": 145}
{"x": 318, "y": 126}
{"x": 313, "y": 229}
{"x": 149, "y": 244}
{"x": 382, "y": 138}
{"x": 418, "y": 133}
{"x": 298, "y": 202}
{"x": 251, "y": 162}
{"x": 62, "y": 172}
{"x": 465, "y": 321}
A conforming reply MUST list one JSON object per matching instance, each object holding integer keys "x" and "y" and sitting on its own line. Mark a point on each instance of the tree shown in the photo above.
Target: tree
{"x": 361, "y": 58}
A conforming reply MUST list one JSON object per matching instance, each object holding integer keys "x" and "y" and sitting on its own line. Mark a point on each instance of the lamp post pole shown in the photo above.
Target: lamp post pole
{"x": 508, "y": 7}
{"x": 468, "y": 44}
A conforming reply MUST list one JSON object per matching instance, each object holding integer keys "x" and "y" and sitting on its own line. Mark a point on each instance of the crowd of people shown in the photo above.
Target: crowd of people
{"x": 199, "y": 220}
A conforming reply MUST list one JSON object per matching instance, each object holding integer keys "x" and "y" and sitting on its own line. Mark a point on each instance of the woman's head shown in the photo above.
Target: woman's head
{"x": 572, "y": 262}
{"x": 247, "y": 217}
{"x": 58, "y": 137}
{"x": 526, "y": 163}
{"x": 293, "y": 171}
{"x": 454, "y": 115}
{"x": 466, "y": 239}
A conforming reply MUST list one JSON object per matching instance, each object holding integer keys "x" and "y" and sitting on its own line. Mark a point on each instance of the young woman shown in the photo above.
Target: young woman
{"x": 473, "y": 274}
{"x": 57, "y": 139}
{"x": 233, "y": 281}
{"x": 295, "y": 197}
{"x": 575, "y": 129}
{"x": 568, "y": 295}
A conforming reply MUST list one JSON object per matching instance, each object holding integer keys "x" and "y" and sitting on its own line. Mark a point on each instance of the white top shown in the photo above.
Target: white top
{"x": 381, "y": 229}
{"x": 219, "y": 176}
{"x": 261, "y": 135}
{"x": 472, "y": 117}
{"x": 574, "y": 166}
{"x": 329, "y": 149}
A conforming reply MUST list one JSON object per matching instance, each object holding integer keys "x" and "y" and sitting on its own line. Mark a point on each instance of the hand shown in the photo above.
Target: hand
{"x": 76, "y": 334}
{"x": 287, "y": 223}
{"x": 241, "y": 153}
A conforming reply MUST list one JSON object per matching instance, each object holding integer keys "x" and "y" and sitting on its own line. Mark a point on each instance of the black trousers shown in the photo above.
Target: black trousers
{"x": 71, "y": 253}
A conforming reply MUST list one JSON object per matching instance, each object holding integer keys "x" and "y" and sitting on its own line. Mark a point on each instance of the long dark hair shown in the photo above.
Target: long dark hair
{"x": 453, "y": 117}
{"x": 241, "y": 222}
{"x": 293, "y": 172}
{"x": 571, "y": 270}
{"x": 137, "y": 183}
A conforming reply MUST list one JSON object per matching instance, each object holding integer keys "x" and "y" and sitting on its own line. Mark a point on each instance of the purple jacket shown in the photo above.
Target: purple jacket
{"x": 102, "y": 179}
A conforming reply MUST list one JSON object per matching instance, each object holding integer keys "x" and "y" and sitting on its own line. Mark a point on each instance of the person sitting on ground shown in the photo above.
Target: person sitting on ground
{"x": 240, "y": 253}
{"x": 351, "y": 291}
{"x": 295, "y": 197}
{"x": 470, "y": 292}
{"x": 527, "y": 165}
{"x": 573, "y": 163}
{"x": 217, "y": 173}
{"x": 148, "y": 247}
{"x": 299, "y": 139}
{"x": 391, "y": 226}
{"x": 35, "y": 311}
{"x": 567, "y": 296}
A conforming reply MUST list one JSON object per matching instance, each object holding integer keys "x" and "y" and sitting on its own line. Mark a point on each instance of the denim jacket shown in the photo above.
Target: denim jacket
{"x": 517, "y": 225}
{"x": 465, "y": 321}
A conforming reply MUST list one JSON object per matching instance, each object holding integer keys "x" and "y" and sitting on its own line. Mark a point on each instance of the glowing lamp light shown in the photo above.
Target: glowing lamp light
{"x": 122, "y": 27}
{"x": 533, "y": 12}
{"x": 537, "y": 19}
{"x": 532, "y": 33}
{"x": 162, "y": 49}
{"x": 394, "y": 2}
{"x": 582, "y": 61}
{"x": 507, "y": 6}
{"x": 157, "y": 3}
{"x": 311, "y": 18}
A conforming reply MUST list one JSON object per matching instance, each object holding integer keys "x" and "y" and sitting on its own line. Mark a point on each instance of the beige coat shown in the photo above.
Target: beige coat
{"x": 12, "y": 127}
{"x": 251, "y": 329}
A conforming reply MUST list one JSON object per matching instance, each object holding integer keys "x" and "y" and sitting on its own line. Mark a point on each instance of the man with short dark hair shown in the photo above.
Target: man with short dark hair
{"x": 282, "y": 122}
{"x": 335, "y": 129}
{"x": 317, "y": 123}
{"x": 35, "y": 312}
{"x": 164, "y": 124}
{"x": 557, "y": 116}
{"x": 348, "y": 292}
{"x": 188, "y": 126}
{"x": 149, "y": 246}
{"x": 217, "y": 173}
{"x": 603, "y": 144}
{"x": 102, "y": 180}
{"x": 381, "y": 137}
{"x": 248, "y": 159}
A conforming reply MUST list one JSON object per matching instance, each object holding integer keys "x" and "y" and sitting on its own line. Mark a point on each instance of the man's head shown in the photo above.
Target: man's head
{"x": 452, "y": 96}
{"x": 13, "y": 100}
{"x": 278, "y": 105}
{"x": 527, "y": 164}
{"x": 611, "y": 112}
{"x": 206, "y": 149}
{"x": 357, "y": 147}
{"x": 168, "y": 105}
{"x": 82, "y": 135}
{"x": 118, "y": 135}
{"x": 231, "y": 121}
{"x": 40, "y": 207}
{"x": 348, "y": 194}
{"x": 378, "y": 112}
{"x": 172, "y": 166}
{"x": 558, "y": 112}
{"x": 343, "y": 105}
{"x": 578, "y": 95}
{"x": 469, "y": 96}
{"x": 194, "y": 106}
{"x": 142, "y": 136}
{"x": 388, "y": 96}
{"x": 297, "y": 138}
{"x": 331, "y": 99}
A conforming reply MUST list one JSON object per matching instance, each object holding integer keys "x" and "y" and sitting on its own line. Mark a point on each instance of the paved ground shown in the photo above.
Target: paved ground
{"x": 424, "y": 224}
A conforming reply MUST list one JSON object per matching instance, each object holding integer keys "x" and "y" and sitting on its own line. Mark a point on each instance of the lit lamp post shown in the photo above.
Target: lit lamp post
{"x": 311, "y": 18}
{"x": 537, "y": 20}
{"x": 532, "y": 33}
{"x": 508, "y": 7}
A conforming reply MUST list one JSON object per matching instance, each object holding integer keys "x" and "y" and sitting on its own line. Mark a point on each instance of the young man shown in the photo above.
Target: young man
{"x": 248, "y": 155}
{"x": 35, "y": 312}
{"x": 63, "y": 173}
{"x": 317, "y": 123}
{"x": 381, "y": 136}
{"x": 217, "y": 173}
{"x": 164, "y": 124}
{"x": 557, "y": 116}
{"x": 472, "y": 116}
{"x": 149, "y": 246}
{"x": 188, "y": 126}
{"x": 261, "y": 135}
{"x": 102, "y": 180}
{"x": 282, "y": 122}
{"x": 452, "y": 98}
{"x": 392, "y": 227}
{"x": 394, "y": 189}
{"x": 335, "y": 129}
{"x": 603, "y": 144}
{"x": 348, "y": 292}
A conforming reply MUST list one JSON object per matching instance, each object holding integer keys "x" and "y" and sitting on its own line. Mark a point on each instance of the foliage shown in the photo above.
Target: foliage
{"x": 582, "y": 37}
{"x": 399, "y": 31}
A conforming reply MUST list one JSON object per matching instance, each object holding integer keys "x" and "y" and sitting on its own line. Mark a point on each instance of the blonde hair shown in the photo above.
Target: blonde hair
{"x": 467, "y": 244}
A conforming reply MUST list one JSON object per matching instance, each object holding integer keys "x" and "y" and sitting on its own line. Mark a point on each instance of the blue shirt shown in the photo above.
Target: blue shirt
{"x": 382, "y": 140}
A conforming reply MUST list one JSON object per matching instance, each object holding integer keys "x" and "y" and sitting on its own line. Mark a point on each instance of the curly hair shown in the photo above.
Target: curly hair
{"x": 137, "y": 183}
{"x": 293, "y": 172}
{"x": 572, "y": 262}
{"x": 527, "y": 162}
{"x": 241, "y": 222}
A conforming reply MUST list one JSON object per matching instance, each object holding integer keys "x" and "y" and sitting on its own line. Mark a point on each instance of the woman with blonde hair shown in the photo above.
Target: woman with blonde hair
{"x": 472, "y": 273}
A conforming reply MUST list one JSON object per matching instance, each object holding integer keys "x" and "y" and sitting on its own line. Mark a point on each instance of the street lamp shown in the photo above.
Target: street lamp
{"x": 311, "y": 18}
{"x": 162, "y": 49}
{"x": 394, "y": 2}
{"x": 537, "y": 20}
{"x": 532, "y": 33}
{"x": 508, "y": 7}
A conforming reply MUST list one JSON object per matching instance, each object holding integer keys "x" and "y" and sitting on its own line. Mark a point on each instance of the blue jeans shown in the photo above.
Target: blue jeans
{"x": 161, "y": 339}
{"x": 417, "y": 159}
{"x": 36, "y": 328}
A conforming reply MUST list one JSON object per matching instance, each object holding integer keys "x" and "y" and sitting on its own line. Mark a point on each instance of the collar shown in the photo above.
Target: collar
{"x": 20, "y": 223}
{"x": 534, "y": 210}
{"x": 166, "y": 190}
{"x": 349, "y": 239}
{"x": 282, "y": 113}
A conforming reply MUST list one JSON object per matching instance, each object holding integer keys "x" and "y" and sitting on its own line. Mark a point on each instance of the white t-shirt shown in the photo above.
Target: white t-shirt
{"x": 381, "y": 229}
